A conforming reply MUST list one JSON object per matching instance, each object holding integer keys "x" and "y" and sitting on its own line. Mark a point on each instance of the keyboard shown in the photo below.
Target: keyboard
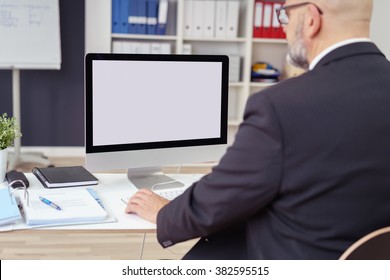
{"x": 169, "y": 194}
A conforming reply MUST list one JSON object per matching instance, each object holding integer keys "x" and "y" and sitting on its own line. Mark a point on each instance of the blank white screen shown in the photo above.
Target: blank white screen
{"x": 153, "y": 101}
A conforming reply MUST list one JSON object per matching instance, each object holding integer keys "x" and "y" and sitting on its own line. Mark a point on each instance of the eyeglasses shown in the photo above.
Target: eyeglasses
{"x": 282, "y": 12}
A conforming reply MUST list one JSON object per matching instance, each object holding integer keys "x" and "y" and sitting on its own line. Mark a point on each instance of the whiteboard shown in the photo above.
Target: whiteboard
{"x": 30, "y": 34}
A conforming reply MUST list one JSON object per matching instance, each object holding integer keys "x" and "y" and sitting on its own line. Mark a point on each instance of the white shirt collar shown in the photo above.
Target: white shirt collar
{"x": 333, "y": 47}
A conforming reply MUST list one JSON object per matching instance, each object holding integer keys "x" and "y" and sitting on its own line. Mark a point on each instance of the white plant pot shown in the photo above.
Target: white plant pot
{"x": 3, "y": 164}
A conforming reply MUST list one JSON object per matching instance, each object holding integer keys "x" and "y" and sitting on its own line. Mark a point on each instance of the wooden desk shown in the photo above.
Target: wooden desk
{"x": 129, "y": 238}
{"x": 86, "y": 245}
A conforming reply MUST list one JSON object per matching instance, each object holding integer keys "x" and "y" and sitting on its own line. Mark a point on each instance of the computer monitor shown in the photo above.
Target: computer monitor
{"x": 145, "y": 111}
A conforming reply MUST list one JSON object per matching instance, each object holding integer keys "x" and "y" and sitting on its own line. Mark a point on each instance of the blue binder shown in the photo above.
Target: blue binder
{"x": 162, "y": 17}
{"x": 9, "y": 211}
{"x": 141, "y": 13}
{"x": 116, "y": 28}
{"x": 151, "y": 17}
{"x": 133, "y": 17}
{"x": 124, "y": 15}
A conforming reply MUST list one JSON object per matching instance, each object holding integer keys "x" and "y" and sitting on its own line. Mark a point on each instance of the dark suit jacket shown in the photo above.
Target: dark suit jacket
{"x": 308, "y": 173}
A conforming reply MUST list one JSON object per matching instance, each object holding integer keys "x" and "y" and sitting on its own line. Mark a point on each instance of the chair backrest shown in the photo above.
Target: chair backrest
{"x": 373, "y": 246}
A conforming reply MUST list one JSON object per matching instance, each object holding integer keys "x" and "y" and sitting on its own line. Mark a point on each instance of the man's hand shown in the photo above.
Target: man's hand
{"x": 146, "y": 204}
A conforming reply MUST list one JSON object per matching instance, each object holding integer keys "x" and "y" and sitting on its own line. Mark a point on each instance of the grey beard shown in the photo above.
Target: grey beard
{"x": 297, "y": 53}
{"x": 297, "y": 56}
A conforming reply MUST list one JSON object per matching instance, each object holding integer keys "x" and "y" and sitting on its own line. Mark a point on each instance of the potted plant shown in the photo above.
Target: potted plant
{"x": 9, "y": 130}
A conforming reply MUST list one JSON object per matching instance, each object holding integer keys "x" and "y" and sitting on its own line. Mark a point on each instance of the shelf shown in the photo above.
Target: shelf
{"x": 261, "y": 85}
{"x": 250, "y": 50}
{"x": 143, "y": 37}
{"x": 236, "y": 84}
{"x": 269, "y": 41}
{"x": 234, "y": 122}
{"x": 221, "y": 40}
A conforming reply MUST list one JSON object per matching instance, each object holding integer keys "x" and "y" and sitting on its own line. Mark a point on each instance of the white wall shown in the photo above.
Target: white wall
{"x": 380, "y": 26}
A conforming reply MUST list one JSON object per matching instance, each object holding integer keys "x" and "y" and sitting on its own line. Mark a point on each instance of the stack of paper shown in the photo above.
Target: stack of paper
{"x": 77, "y": 206}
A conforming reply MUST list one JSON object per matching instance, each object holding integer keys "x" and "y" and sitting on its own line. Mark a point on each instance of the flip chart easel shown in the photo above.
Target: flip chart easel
{"x": 30, "y": 35}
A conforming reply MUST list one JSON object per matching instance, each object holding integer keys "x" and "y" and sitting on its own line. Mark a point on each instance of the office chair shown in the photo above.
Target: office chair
{"x": 373, "y": 246}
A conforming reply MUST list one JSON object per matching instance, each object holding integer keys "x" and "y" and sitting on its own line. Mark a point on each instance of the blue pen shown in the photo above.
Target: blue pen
{"x": 48, "y": 202}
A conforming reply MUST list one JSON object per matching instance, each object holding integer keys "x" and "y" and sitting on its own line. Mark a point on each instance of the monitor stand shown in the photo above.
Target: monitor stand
{"x": 152, "y": 178}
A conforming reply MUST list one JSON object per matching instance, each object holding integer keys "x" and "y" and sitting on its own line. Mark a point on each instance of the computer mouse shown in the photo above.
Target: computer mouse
{"x": 14, "y": 176}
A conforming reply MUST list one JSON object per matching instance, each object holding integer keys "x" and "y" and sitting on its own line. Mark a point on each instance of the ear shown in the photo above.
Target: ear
{"x": 313, "y": 21}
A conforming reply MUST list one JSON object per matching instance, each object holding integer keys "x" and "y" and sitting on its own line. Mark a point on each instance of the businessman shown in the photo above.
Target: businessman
{"x": 309, "y": 171}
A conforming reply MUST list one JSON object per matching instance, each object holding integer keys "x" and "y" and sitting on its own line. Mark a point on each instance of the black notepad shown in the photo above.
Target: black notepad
{"x": 68, "y": 176}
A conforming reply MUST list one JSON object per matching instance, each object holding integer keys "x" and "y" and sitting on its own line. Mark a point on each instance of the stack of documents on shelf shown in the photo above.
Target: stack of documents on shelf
{"x": 74, "y": 206}
{"x": 9, "y": 211}
{"x": 120, "y": 46}
{"x": 68, "y": 176}
{"x": 234, "y": 68}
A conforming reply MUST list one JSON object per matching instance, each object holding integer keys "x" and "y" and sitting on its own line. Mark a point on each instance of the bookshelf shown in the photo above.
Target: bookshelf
{"x": 99, "y": 38}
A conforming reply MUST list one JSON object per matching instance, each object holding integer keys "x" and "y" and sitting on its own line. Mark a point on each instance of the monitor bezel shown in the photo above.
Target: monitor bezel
{"x": 91, "y": 57}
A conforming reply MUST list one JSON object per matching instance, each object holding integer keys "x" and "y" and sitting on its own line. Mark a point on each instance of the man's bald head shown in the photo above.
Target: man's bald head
{"x": 321, "y": 23}
{"x": 347, "y": 12}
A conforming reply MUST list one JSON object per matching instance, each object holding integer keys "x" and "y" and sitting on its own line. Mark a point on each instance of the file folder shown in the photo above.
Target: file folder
{"x": 188, "y": 25}
{"x": 209, "y": 19}
{"x": 9, "y": 211}
{"x": 258, "y": 19}
{"x": 233, "y": 11}
{"x": 132, "y": 16}
{"x": 155, "y": 48}
{"x": 234, "y": 68}
{"x": 267, "y": 20}
{"x": 141, "y": 16}
{"x": 116, "y": 20}
{"x": 187, "y": 49}
{"x": 276, "y": 27}
{"x": 151, "y": 23}
{"x": 281, "y": 33}
{"x": 124, "y": 15}
{"x": 117, "y": 47}
{"x": 162, "y": 17}
{"x": 165, "y": 48}
{"x": 220, "y": 19}
{"x": 198, "y": 20}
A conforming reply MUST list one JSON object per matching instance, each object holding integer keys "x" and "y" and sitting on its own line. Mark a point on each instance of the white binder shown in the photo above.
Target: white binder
{"x": 155, "y": 48}
{"x": 209, "y": 18}
{"x": 165, "y": 48}
{"x": 197, "y": 18}
{"x": 187, "y": 49}
{"x": 234, "y": 68}
{"x": 117, "y": 46}
{"x": 233, "y": 11}
{"x": 220, "y": 19}
{"x": 188, "y": 10}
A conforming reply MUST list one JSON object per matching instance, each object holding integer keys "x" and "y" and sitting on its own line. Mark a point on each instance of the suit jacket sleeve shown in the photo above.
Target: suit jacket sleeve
{"x": 244, "y": 182}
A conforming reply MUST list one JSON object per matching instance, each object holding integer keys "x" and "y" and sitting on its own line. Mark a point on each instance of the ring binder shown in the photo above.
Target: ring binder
{"x": 9, "y": 208}
{"x": 24, "y": 187}
{"x": 20, "y": 209}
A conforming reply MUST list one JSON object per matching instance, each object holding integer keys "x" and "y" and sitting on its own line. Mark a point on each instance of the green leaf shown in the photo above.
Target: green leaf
{"x": 9, "y": 130}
